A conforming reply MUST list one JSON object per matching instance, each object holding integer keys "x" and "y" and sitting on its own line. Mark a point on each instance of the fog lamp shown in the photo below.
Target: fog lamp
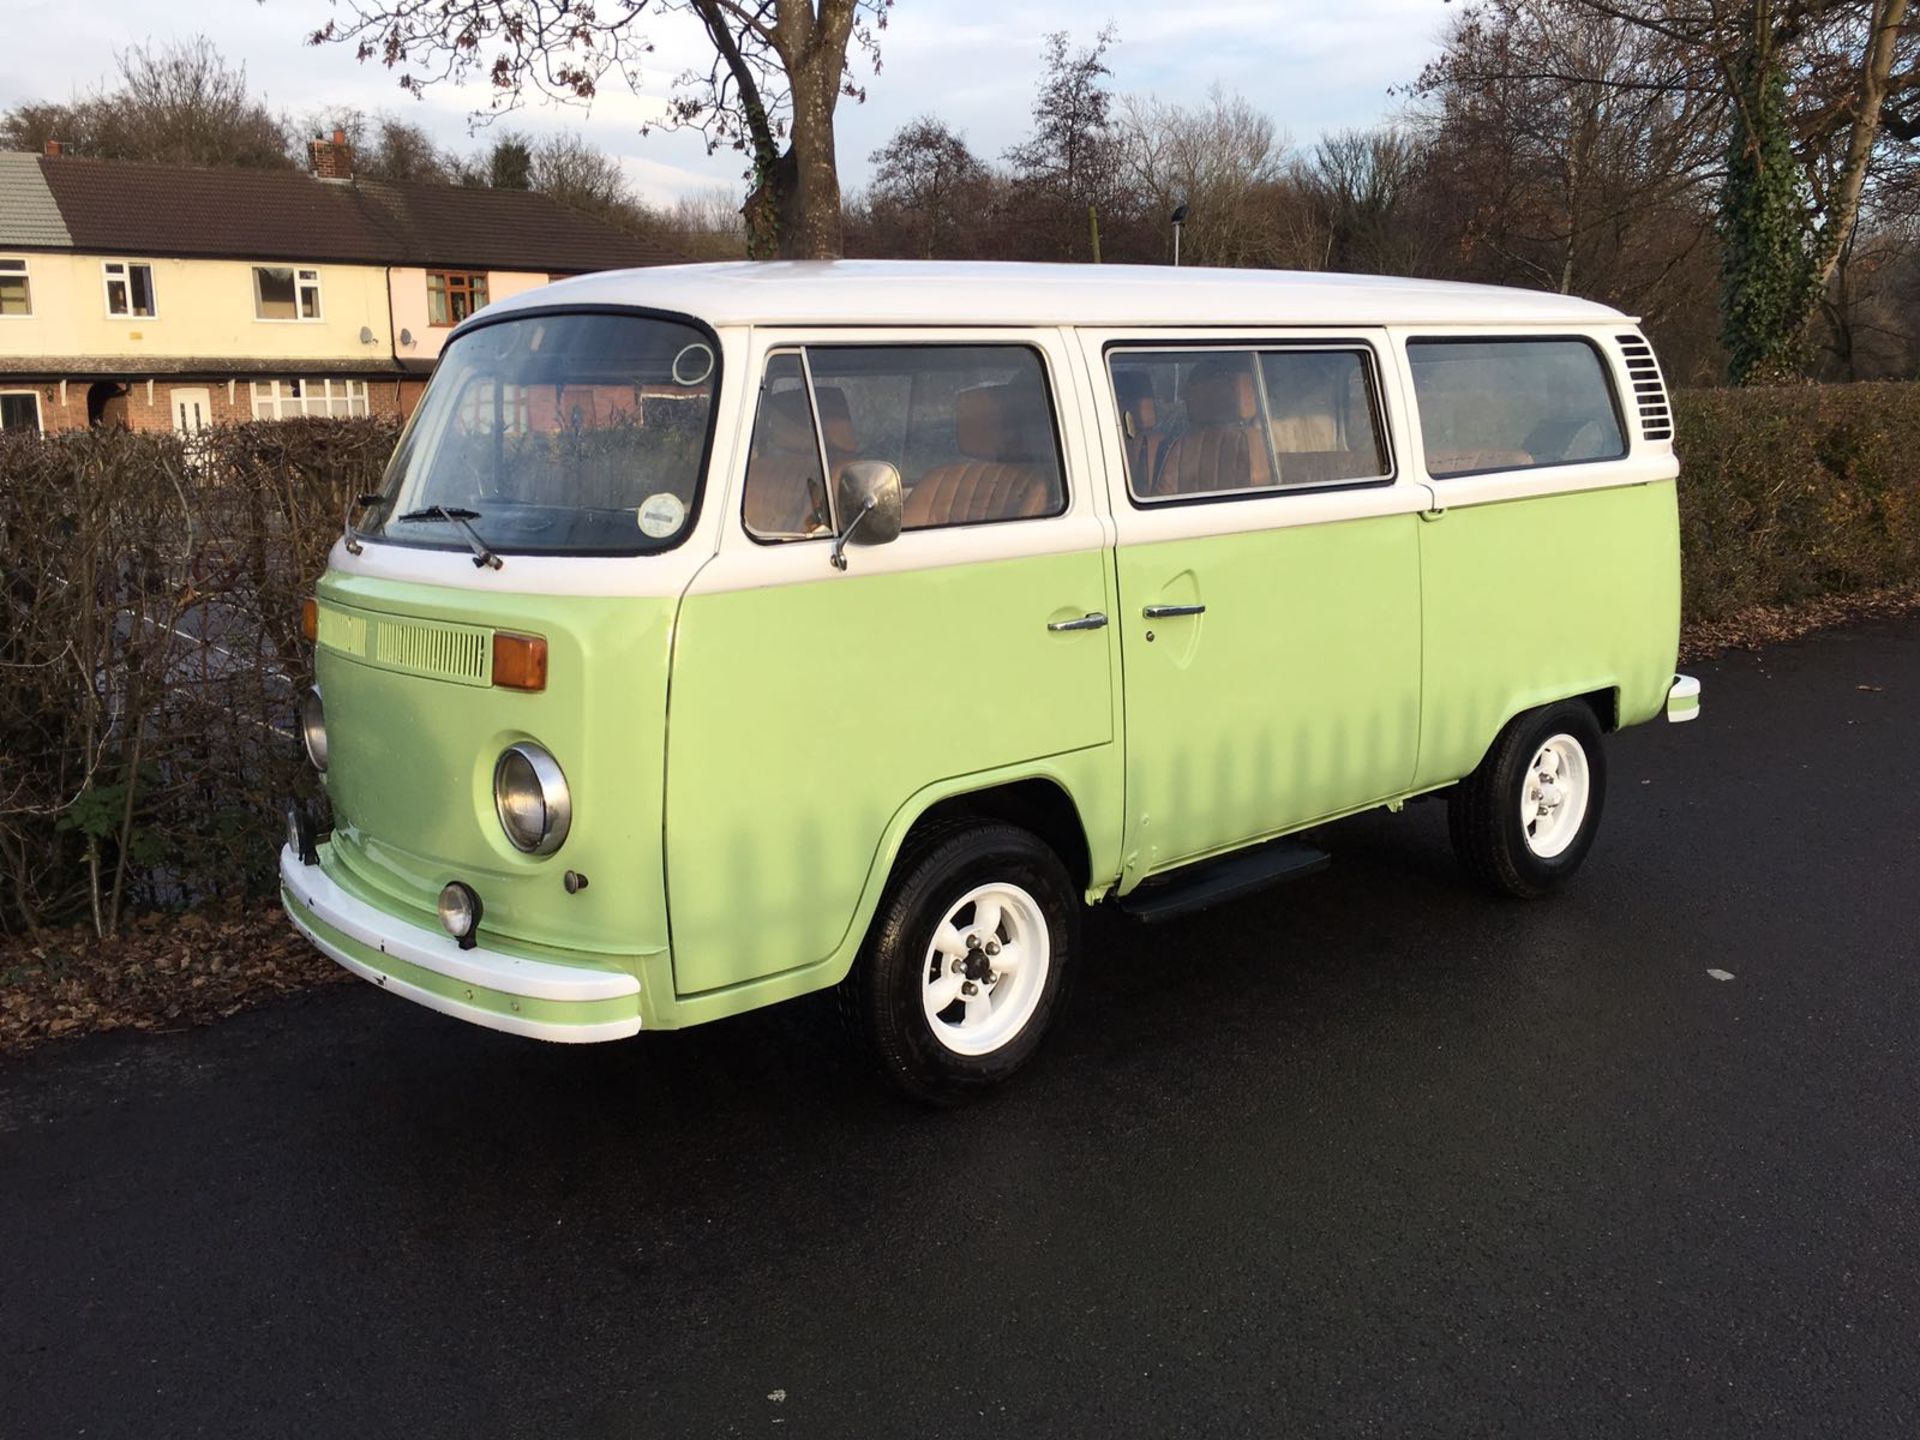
{"x": 460, "y": 912}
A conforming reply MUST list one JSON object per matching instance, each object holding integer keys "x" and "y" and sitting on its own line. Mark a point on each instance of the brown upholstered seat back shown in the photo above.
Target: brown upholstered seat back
{"x": 784, "y": 493}
{"x": 1002, "y": 430}
{"x": 1223, "y": 447}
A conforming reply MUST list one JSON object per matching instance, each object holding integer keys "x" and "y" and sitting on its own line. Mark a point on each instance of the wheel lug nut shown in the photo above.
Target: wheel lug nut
{"x": 993, "y": 947}
{"x": 969, "y": 988}
{"x": 958, "y": 966}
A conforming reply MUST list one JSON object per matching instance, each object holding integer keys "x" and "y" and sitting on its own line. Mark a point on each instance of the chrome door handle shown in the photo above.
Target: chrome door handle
{"x": 1093, "y": 621}
{"x": 1169, "y": 612}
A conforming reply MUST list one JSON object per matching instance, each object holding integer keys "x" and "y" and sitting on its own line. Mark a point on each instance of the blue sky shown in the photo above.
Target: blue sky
{"x": 1313, "y": 67}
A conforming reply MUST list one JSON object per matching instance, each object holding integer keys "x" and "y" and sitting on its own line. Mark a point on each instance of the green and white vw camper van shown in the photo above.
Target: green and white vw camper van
{"x": 729, "y": 632}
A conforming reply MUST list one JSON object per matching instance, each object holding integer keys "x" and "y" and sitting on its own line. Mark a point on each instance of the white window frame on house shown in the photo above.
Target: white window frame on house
{"x": 39, "y": 414}
{"x": 305, "y": 278}
{"x": 17, "y": 265}
{"x": 305, "y": 395}
{"x": 120, "y": 272}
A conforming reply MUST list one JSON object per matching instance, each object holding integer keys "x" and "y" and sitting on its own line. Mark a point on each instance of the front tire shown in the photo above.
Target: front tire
{"x": 968, "y": 960}
{"x": 1523, "y": 822}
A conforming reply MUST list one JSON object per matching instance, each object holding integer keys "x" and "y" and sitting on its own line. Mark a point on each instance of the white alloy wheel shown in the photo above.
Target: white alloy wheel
{"x": 1553, "y": 796}
{"x": 986, "y": 969}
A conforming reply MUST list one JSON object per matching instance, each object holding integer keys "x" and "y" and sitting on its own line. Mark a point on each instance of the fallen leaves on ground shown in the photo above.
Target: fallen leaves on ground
{"x": 162, "y": 972}
{"x": 1773, "y": 624}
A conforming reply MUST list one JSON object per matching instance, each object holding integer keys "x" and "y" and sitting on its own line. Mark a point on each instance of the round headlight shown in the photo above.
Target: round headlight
{"x": 530, "y": 797}
{"x": 459, "y": 910}
{"x": 313, "y": 729}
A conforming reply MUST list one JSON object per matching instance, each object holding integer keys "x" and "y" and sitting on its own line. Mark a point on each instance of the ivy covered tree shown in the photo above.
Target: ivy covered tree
{"x": 1768, "y": 276}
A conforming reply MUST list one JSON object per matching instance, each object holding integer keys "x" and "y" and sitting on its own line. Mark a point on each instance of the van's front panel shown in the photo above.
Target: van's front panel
{"x": 410, "y": 773}
{"x": 491, "y": 661}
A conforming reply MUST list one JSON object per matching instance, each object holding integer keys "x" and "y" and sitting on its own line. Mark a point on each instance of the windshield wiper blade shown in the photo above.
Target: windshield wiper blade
{"x": 456, "y": 515}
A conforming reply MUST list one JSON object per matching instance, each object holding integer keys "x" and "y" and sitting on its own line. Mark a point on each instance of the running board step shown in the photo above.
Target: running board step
{"x": 1214, "y": 882}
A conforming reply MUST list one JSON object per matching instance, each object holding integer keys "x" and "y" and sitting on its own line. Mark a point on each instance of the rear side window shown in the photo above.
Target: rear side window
{"x": 1513, "y": 404}
{"x": 1222, "y": 422}
{"x": 969, "y": 427}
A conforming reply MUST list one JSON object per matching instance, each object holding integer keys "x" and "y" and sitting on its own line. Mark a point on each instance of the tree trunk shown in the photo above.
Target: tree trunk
{"x": 810, "y": 219}
{"x": 1875, "y": 68}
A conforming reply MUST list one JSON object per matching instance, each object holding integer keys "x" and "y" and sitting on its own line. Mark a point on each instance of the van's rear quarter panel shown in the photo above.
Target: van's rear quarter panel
{"x": 1529, "y": 601}
{"x": 411, "y": 769}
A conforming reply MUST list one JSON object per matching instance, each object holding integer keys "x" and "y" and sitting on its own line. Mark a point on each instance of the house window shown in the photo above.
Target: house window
{"x": 453, "y": 295}
{"x": 19, "y": 410}
{"x": 290, "y": 399}
{"x": 129, "y": 287}
{"x": 282, "y": 293}
{"x": 15, "y": 296}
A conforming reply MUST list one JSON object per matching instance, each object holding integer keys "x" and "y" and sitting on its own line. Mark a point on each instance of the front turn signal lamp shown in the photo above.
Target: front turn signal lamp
{"x": 519, "y": 661}
{"x": 309, "y": 619}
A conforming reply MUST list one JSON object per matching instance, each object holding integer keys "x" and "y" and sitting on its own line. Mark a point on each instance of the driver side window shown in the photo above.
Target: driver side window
{"x": 786, "y": 494}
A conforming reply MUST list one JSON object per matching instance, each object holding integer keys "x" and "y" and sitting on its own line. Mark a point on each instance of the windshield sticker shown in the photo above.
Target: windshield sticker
{"x": 692, "y": 365}
{"x": 662, "y": 515}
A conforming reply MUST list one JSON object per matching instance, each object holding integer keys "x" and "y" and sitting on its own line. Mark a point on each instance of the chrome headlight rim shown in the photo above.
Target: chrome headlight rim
{"x": 556, "y": 800}
{"x": 311, "y": 713}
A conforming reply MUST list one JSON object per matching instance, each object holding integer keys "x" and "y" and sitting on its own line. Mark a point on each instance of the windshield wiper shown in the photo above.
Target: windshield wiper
{"x": 455, "y": 515}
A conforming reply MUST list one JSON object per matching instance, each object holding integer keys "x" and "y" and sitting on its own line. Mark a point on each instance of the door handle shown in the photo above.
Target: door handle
{"x": 1170, "y": 612}
{"x": 1092, "y": 621}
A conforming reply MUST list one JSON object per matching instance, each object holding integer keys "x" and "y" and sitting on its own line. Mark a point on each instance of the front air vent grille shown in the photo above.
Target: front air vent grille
{"x": 1649, "y": 391}
{"x": 435, "y": 649}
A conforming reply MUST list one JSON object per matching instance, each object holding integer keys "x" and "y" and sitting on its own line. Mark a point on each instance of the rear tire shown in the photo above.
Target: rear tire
{"x": 1523, "y": 822}
{"x": 967, "y": 962}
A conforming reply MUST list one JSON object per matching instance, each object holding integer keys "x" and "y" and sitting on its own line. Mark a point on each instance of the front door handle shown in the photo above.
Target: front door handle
{"x": 1093, "y": 621}
{"x": 1170, "y": 612}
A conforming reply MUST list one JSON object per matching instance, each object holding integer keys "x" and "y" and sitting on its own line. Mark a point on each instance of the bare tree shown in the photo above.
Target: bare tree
{"x": 926, "y": 176}
{"x": 1224, "y": 161}
{"x": 778, "y": 70}
{"x": 175, "y": 104}
{"x": 1070, "y": 166}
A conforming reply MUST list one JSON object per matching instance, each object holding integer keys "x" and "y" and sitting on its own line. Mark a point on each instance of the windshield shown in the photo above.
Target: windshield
{"x": 555, "y": 434}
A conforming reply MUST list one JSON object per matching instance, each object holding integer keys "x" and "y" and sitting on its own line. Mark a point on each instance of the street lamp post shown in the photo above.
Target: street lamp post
{"x": 1179, "y": 219}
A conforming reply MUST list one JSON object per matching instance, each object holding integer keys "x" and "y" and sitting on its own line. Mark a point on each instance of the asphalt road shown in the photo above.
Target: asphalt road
{"x": 1368, "y": 1155}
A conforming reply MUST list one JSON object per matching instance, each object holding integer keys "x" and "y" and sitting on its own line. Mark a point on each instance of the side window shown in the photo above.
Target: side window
{"x": 969, "y": 427}
{"x": 1513, "y": 404}
{"x": 785, "y": 498}
{"x": 1222, "y": 422}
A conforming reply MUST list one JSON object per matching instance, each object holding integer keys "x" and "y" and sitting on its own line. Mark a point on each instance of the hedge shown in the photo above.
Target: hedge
{"x": 149, "y": 592}
{"x": 149, "y": 656}
{"x": 1792, "y": 493}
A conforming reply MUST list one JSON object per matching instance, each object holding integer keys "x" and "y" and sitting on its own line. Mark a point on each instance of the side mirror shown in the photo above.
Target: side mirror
{"x": 867, "y": 498}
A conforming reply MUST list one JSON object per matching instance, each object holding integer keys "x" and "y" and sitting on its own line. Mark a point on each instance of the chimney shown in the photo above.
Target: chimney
{"x": 330, "y": 159}
{"x": 55, "y": 149}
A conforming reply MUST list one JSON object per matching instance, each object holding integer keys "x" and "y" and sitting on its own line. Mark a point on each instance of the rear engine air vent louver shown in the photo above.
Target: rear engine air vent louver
{"x": 1649, "y": 391}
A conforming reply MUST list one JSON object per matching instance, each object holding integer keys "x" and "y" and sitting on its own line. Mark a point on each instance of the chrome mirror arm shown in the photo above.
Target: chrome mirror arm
{"x": 839, "y": 556}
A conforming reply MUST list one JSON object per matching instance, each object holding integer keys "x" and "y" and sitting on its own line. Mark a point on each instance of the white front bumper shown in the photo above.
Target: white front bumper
{"x": 505, "y": 975}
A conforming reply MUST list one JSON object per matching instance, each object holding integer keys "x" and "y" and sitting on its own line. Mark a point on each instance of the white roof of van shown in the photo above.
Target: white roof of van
{"x": 937, "y": 292}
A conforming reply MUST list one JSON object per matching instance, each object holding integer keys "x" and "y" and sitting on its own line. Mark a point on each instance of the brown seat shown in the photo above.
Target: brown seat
{"x": 1140, "y": 426}
{"x": 784, "y": 495}
{"x": 1460, "y": 462}
{"x": 1222, "y": 447}
{"x": 1002, "y": 429}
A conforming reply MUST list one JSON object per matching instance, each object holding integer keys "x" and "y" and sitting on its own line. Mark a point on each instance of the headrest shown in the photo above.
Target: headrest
{"x": 1220, "y": 394}
{"x": 836, "y": 418}
{"x": 785, "y": 423}
{"x": 1000, "y": 422}
{"x": 1134, "y": 390}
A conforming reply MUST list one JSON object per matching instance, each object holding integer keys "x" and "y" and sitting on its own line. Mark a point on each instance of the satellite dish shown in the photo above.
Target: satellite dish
{"x": 406, "y": 337}
{"x": 366, "y": 334}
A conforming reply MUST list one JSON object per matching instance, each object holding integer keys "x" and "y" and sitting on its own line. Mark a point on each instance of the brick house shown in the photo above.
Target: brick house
{"x": 160, "y": 296}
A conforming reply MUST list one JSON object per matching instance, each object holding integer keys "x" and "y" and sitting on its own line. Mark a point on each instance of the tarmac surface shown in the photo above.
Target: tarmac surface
{"x": 1366, "y": 1155}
